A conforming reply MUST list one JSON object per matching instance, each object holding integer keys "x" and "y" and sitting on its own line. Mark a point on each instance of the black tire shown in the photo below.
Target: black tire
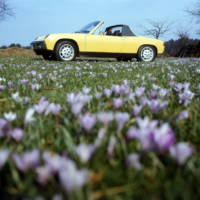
{"x": 48, "y": 56}
{"x": 65, "y": 51}
{"x": 146, "y": 53}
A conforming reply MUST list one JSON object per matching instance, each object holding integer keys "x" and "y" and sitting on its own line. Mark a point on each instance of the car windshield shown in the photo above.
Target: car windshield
{"x": 88, "y": 27}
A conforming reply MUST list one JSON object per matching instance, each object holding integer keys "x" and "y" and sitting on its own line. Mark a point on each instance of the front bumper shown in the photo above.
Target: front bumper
{"x": 39, "y": 47}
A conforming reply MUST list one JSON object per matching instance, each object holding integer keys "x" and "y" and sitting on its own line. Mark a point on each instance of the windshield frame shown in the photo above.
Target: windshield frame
{"x": 91, "y": 27}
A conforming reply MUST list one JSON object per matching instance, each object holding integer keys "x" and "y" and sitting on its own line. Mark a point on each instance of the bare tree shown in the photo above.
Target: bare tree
{"x": 5, "y": 10}
{"x": 195, "y": 12}
{"x": 183, "y": 34}
{"x": 157, "y": 28}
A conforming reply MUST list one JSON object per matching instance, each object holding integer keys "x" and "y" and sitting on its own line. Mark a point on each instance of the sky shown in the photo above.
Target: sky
{"x": 34, "y": 18}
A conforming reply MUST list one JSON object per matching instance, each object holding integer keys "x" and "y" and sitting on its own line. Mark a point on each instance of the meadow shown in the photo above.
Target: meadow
{"x": 99, "y": 130}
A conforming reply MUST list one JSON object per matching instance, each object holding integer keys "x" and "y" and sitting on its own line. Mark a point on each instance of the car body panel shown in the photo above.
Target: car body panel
{"x": 100, "y": 43}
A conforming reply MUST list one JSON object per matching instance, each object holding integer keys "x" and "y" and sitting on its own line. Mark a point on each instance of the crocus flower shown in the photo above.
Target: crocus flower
{"x": 86, "y": 90}
{"x": 111, "y": 146}
{"x": 44, "y": 174}
{"x": 186, "y": 97}
{"x": 183, "y": 115}
{"x": 107, "y": 92}
{"x": 133, "y": 161}
{"x": 71, "y": 178}
{"x": 35, "y": 86}
{"x": 53, "y": 161}
{"x": 57, "y": 197}
{"x": 164, "y": 137}
{"x": 23, "y": 82}
{"x": 157, "y": 105}
{"x": 139, "y": 91}
{"x": 10, "y": 116}
{"x": 41, "y": 106}
{"x": 137, "y": 109}
{"x": 16, "y": 134}
{"x": 53, "y": 108}
{"x": 3, "y": 127}
{"x": 77, "y": 101}
{"x": 2, "y": 87}
{"x": 87, "y": 121}
{"x": 4, "y": 154}
{"x": 121, "y": 119}
{"x": 16, "y": 97}
{"x": 100, "y": 137}
{"x": 29, "y": 159}
{"x": 29, "y": 116}
{"x": 85, "y": 152}
{"x": 105, "y": 117}
{"x": 181, "y": 152}
{"x": 117, "y": 103}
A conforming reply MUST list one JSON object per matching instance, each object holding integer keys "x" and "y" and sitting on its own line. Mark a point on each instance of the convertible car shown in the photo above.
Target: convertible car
{"x": 116, "y": 41}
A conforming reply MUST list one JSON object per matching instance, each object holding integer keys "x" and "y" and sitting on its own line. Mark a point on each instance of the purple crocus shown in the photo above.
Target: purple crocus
{"x": 2, "y": 87}
{"x": 85, "y": 152}
{"x": 29, "y": 159}
{"x": 53, "y": 161}
{"x": 77, "y": 101}
{"x": 186, "y": 97}
{"x": 87, "y": 121}
{"x": 4, "y": 154}
{"x": 57, "y": 197}
{"x": 105, "y": 117}
{"x": 121, "y": 119}
{"x": 35, "y": 86}
{"x": 53, "y": 108}
{"x": 3, "y": 127}
{"x": 100, "y": 137}
{"x": 133, "y": 160}
{"x": 183, "y": 115}
{"x": 137, "y": 109}
{"x": 16, "y": 134}
{"x": 44, "y": 174}
{"x": 107, "y": 92}
{"x": 139, "y": 91}
{"x": 157, "y": 105}
{"x": 41, "y": 107}
{"x": 164, "y": 137}
{"x": 71, "y": 178}
{"x": 117, "y": 103}
{"x": 181, "y": 152}
{"x": 23, "y": 82}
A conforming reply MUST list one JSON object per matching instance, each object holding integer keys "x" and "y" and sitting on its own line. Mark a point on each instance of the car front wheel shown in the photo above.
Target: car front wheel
{"x": 65, "y": 51}
{"x": 146, "y": 54}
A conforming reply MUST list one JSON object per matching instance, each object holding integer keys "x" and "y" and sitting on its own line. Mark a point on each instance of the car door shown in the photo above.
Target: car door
{"x": 103, "y": 43}
{"x": 130, "y": 44}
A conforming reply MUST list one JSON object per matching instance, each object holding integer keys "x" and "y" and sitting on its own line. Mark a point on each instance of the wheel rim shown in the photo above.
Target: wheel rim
{"x": 147, "y": 54}
{"x": 66, "y": 52}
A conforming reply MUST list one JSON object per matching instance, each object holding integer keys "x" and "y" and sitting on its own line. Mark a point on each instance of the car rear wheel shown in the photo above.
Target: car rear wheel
{"x": 146, "y": 54}
{"x": 65, "y": 51}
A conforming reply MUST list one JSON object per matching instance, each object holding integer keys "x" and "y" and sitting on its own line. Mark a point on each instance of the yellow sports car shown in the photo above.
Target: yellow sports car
{"x": 116, "y": 41}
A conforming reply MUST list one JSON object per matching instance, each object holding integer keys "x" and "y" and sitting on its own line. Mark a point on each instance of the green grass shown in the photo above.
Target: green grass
{"x": 160, "y": 178}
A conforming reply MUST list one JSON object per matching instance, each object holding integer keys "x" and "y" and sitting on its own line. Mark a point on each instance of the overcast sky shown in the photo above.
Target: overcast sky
{"x": 34, "y": 18}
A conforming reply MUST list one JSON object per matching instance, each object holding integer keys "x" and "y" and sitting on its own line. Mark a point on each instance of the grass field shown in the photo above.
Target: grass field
{"x": 99, "y": 130}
